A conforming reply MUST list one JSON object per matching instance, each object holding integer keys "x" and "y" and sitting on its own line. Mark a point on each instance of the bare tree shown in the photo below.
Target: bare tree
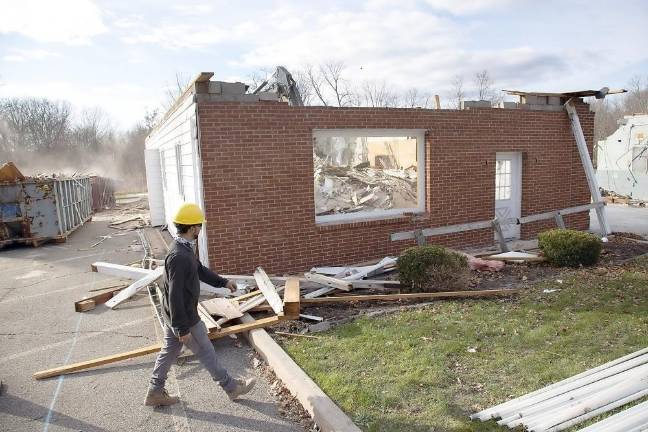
{"x": 414, "y": 98}
{"x": 457, "y": 93}
{"x": 484, "y": 88}
{"x": 331, "y": 73}
{"x": 314, "y": 79}
{"x": 304, "y": 86}
{"x": 175, "y": 90}
{"x": 259, "y": 77}
{"x": 378, "y": 95}
{"x": 92, "y": 130}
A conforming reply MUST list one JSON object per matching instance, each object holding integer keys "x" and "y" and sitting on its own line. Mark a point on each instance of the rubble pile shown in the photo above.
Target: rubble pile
{"x": 340, "y": 189}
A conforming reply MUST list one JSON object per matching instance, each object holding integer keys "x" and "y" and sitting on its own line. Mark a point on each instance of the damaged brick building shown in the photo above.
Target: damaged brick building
{"x": 260, "y": 169}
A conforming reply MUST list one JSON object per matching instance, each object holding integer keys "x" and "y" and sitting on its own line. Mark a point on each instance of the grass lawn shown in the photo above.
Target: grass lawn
{"x": 415, "y": 370}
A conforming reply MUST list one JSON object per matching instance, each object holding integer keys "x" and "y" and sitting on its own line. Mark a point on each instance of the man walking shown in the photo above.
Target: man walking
{"x": 181, "y": 288}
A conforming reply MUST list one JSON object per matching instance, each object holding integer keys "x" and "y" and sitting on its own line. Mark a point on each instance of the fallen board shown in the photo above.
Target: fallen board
{"x": 329, "y": 281}
{"x": 395, "y": 297}
{"x": 222, "y": 307}
{"x": 216, "y": 334}
{"x": 130, "y": 291}
{"x": 268, "y": 290}
{"x": 118, "y": 270}
{"x": 97, "y": 299}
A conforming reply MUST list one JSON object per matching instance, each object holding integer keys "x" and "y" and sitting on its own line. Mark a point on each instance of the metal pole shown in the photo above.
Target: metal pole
{"x": 587, "y": 165}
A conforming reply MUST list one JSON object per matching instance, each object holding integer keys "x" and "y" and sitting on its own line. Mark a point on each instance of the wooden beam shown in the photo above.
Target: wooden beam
{"x": 329, "y": 281}
{"x": 222, "y": 307}
{"x": 396, "y": 297}
{"x": 98, "y": 299}
{"x": 205, "y": 317}
{"x": 268, "y": 290}
{"x": 118, "y": 270}
{"x": 216, "y": 334}
{"x": 130, "y": 291}
{"x": 291, "y": 302}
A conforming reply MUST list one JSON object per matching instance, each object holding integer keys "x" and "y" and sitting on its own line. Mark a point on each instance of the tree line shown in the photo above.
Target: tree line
{"x": 43, "y": 136}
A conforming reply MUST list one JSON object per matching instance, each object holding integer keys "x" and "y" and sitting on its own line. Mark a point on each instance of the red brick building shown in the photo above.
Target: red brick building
{"x": 252, "y": 168}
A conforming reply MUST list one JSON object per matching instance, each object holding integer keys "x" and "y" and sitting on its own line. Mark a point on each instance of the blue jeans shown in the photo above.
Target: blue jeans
{"x": 200, "y": 344}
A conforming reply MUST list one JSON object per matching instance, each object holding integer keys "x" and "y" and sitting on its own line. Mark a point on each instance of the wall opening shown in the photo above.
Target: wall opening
{"x": 363, "y": 174}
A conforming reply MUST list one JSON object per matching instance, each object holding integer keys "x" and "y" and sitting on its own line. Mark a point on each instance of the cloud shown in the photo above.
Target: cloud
{"x": 64, "y": 21}
{"x": 16, "y": 55}
{"x": 463, "y": 7}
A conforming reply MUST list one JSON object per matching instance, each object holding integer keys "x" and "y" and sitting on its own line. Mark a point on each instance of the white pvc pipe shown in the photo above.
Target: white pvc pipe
{"x": 529, "y": 415}
{"x": 632, "y": 418}
{"x": 489, "y": 413}
{"x": 573, "y": 385}
{"x": 598, "y": 411}
{"x": 638, "y": 382}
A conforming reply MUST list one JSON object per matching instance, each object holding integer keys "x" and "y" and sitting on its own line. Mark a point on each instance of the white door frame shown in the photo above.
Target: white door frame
{"x": 513, "y": 205}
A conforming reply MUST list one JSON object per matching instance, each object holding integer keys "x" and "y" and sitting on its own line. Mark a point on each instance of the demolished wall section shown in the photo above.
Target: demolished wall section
{"x": 258, "y": 179}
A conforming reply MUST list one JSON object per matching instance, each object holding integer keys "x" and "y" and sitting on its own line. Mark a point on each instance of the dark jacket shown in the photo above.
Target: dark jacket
{"x": 181, "y": 287}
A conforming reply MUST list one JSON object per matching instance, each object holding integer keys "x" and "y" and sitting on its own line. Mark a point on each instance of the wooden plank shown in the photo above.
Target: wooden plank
{"x": 250, "y": 304}
{"x": 370, "y": 270}
{"x": 206, "y": 318}
{"x": 396, "y": 297}
{"x": 329, "y": 281}
{"x": 291, "y": 305}
{"x": 120, "y": 270}
{"x": 222, "y": 307}
{"x": 500, "y": 235}
{"x": 84, "y": 305}
{"x": 268, "y": 290}
{"x": 311, "y": 317}
{"x": 98, "y": 299}
{"x": 248, "y": 295}
{"x": 76, "y": 367}
{"x": 130, "y": 291}
{"x": 371, "y": 283}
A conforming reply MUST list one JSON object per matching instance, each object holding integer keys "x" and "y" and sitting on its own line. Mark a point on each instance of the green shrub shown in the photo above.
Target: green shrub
{"x": 570, "y": 248}
{"x": 432, "y": 268}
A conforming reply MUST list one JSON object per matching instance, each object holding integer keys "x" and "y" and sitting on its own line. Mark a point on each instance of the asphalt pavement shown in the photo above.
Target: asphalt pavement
{"x": 39, "y": 329}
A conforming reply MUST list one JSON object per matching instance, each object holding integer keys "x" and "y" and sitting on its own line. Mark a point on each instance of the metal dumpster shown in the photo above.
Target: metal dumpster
{"x": 35, "y": 210}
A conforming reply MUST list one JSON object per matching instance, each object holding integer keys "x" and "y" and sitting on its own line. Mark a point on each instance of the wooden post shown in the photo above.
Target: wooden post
{"x": 500, "y": 236}
{"x": 559, "y": 221}
{"x": 420, "y": 238}
{"x": 291, "y": 302}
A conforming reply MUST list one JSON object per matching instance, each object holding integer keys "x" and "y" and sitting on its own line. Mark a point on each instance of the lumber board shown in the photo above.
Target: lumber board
{"x": 118, "y": 270}
{"x": 268, "y": 290}
{"x": 396, "y": 297}
{"x": 292, "y": 299}
{"x": 329, "y": 281}
{"x": 130, "y": 291}
{"x": 206, "y": 318}
{"x": 215, "y": 334}
{"x": 248, "y": 295}
{"x": 98, "y": 299}
{"x": 222, "y": 307}
{"x": 369, "y": 283}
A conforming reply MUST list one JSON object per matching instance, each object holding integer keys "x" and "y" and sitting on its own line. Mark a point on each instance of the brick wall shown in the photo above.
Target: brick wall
{"x": 258, "y": 179}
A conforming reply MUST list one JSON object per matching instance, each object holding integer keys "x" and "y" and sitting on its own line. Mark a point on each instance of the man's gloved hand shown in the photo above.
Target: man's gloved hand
{"x": 231, "y": 285}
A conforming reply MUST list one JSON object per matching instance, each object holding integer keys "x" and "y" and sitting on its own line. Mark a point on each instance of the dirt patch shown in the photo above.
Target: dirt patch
{"x": 289, "y": 406}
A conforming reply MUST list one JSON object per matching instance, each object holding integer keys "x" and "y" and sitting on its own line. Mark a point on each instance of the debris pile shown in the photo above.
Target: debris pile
{"x": 340, "y": 189}
{"x": 611, "y": 197}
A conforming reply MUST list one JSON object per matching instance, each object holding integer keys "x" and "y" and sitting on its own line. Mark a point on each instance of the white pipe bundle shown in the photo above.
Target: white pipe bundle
{"x": 578, "y": 398}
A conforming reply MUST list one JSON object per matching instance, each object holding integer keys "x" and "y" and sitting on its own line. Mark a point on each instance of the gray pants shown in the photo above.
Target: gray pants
{"x": 201, "y": 346}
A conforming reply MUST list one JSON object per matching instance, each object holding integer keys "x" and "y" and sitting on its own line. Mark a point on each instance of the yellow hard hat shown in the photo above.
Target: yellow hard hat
{"x": 189, "y": 214}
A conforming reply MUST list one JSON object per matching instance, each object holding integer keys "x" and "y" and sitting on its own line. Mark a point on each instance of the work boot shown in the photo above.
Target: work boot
{"x": 156, "y": 397}
{"x": 242, "y": 387}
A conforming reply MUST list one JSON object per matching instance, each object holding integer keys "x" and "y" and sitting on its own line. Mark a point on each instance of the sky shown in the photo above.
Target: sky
{"x": 121, "y": 55}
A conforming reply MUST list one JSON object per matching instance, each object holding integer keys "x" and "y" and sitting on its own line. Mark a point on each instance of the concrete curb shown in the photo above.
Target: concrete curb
{"x": 326, "y": 414}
